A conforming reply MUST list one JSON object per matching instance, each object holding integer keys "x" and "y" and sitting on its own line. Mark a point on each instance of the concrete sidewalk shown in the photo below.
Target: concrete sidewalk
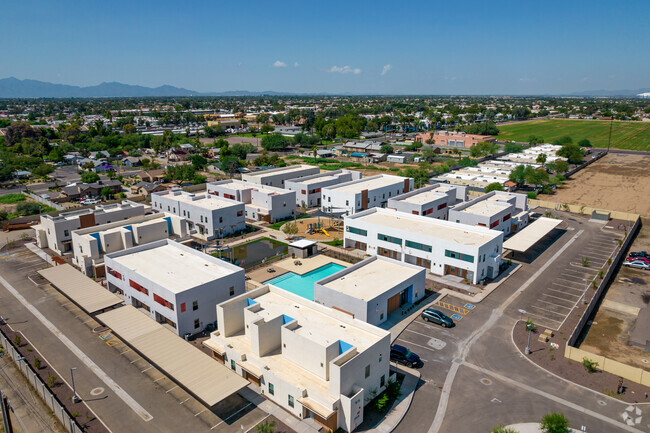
{"x": 403, "y": 403}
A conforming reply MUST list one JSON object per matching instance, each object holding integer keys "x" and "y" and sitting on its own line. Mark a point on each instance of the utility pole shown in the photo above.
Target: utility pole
{"x": 75, "y": 397}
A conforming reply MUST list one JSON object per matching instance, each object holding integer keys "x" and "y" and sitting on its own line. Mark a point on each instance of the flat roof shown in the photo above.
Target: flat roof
{"x": 315, "y": 178}
{"x": 280, "y": 170}
{"x": 242, "y": 185}
{"x": 83, "y": 291}
{"x": 172, "y": 267}
{"x": 529, "y": 235}
{"x": 369, "y": 183}
{"x": 197, "y": 372}
{"x": 302, "y": 243}
{"x": 487, "y": 207}
{"x": 372, "y": 279}
{"x": 424, "y": 226}
{"x": 425, "y": 197}
{"x": 206, "y": 202}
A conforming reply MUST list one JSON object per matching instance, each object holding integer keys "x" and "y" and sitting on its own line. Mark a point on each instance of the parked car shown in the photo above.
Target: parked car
{"x": 435, "y": 316}
{"x": 637, "y": 259}
{"x": 640, "y": 254}
{"x": 402, "y": 355}
{"x": 638, "y": 264}
{"x": 89, "y": 201}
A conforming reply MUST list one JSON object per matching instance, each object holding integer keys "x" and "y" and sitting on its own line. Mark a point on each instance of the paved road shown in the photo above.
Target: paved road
{"x": 479, "y": 347}
{"x": 130, "y": 399}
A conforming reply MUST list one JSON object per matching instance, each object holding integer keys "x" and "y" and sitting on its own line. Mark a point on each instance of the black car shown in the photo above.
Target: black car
{"x": 435, "y": 316}
{"x": 402, "y": 355}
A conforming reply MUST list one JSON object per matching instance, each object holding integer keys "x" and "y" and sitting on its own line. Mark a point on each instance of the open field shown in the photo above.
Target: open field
{"x": 615, "y": 182}
{"x": 625, "y": 135}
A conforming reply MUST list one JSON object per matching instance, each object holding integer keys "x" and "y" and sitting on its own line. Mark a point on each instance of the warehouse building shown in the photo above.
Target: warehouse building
{"x": 208, "y": 217}
{"x": 261, "y": 203}
{"x": 351, "y": 197}
{"x": 313, "y": 361}
{"x": 174, "y": 284}
{"x": 443, "y": 247}
{"x": 308, "y": 188}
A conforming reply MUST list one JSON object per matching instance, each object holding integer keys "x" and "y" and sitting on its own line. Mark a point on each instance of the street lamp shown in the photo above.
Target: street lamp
{"x": 5, "y": 420}
{"x": 75, "y": 397}
{"x": 584, "y": 294}
{"x": 530, "y": 330}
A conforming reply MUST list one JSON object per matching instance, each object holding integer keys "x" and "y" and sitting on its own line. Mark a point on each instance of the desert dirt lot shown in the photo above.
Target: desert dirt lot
{"x": 624, "y": 313}
{"x": 615, "y": 182}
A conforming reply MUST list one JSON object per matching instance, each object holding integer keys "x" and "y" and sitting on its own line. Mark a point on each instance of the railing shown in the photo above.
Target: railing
{"x": 44, "y": 201}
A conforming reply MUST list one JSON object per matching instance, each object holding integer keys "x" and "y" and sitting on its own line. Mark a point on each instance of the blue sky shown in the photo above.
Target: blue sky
{"x": 414, "y": 47}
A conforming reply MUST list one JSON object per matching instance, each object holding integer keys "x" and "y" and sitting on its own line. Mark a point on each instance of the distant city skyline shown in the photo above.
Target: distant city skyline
{"x": 340, "y": 47}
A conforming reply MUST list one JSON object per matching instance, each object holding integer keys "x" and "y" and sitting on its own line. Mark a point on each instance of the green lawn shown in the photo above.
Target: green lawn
{"x": 625, "y": 135}
{"x": 11, "y": 198}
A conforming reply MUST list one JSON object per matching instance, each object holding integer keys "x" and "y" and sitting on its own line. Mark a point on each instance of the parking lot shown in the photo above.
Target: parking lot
{"x": 553, "y": 295}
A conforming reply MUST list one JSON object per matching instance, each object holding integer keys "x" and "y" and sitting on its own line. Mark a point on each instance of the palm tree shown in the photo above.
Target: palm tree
{"x": 314, "y": 151}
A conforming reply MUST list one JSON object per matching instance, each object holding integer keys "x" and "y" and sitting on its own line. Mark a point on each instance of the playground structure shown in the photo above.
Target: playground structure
{"x": 320, "y": 228}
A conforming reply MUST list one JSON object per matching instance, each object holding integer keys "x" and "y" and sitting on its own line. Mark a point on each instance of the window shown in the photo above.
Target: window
{"x": 367, "y": 371}
{"x": 302, "y": 191}
{"x": 138, "y": 287}
{"x": 290, "y": 401}
{"x": 66, "y": 232}
{"x": 114, "y": 273}
{"x": 428, "y": 211}
{"x": 240, "y": 213}
{"x": 382, "y": 380}
{"x": 442, "y": 206}
{"x": 390, "y": 239}
{"x": 195, "y": 305}
{"x": 357, "y": 231}
{"x": 414, "y": 212}
{"x": 418, "y": 246}
{"x": 506, "y": 218}
{"x": 188, "y": 214}
{"x": 196, "y": 323}
{"x": 232, "y": 364}
{"x": 347, "y": 202}
{"x": 494, "y": 224}
{"x": 163, "y": 302}
{"x": 329, "y": 199}
{"x": 183, "y": 307}
{"x": 201, "y": 217}
{"x": 271, "y": 389}
{"x": 183, "y": 212}
{"x": 220, "y": 219}
{"x": 232, "y": 290}
{"x": 459, "y": 256}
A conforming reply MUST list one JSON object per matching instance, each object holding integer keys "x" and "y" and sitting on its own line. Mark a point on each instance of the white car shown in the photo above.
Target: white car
{"x": 89, "y": 201}
{"x": 638, "y": 264}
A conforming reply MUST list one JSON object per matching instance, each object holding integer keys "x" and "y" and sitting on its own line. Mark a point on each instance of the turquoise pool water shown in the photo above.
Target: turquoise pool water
{"x": 303, "y": 285}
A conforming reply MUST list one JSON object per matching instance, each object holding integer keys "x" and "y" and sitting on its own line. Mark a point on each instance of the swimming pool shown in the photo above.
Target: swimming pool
{"x": 303, "y": 285}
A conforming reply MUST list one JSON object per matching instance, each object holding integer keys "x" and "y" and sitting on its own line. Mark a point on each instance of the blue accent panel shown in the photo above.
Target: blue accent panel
{"x": 169, "y": 225}
{"x": 286, "y": 319}
{"x": 344, "y": 347}
{"x": 99, "y": 242}
{"x": 250, "y": 302}
{"x": 130, "y": 228}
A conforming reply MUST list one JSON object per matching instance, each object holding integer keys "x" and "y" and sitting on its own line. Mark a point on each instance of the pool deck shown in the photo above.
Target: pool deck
{"x": 287, "y": 265}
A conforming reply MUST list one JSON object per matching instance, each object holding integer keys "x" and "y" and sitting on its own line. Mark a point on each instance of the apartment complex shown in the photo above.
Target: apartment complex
{"x": 372, "y": 289}
{"x": 277, "y": 176}
{"x": 432, "y": 201}
{"x": 173, "y": 283}
{"x": 443, "y": 247}
{"x": 351, "y": 197}
{"x": 261, "y": 203}
{"x": 453, "y": 139}
{"x": 211, "y": 217}
{"x": 504, "y": 211}
{"x": 308, "y": 188}
{"x": 90, "y": 244}
{"x": 313, "y": 361}
{"x": 55, "y": 232}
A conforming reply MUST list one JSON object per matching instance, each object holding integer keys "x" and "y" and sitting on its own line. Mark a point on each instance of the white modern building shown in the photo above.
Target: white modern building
{"x": 276, "y": 176}
{"x": 90, "y": 244}
{"x": 262, "y": 203}
{"x": 211, "y": 217}
{"x": 55, "y": 232}
{"x": 308, "y": 188}
{"x": 351, "y": 197}
{"x": 313, "y": 361}
{"x": 372, "y": 289}
{"x": 173, "y": 283}
{"x": 443, "y": 247}
{"x": 504, "y": 211}
{"x": 432, "y": 201}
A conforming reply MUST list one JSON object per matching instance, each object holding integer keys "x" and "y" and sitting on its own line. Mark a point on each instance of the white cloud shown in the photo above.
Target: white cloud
{"x": 386, "y": 68}
{"x": 279, "y": 64}
{"x": 344, "y": 70}
{"x": 296, "y": 64}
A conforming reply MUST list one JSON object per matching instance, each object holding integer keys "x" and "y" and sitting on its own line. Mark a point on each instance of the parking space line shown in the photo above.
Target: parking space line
{"x": 570, "y": 287}
{"x": 564, "y": 293}
{"x": 557, "y": 297}
{"x": 552, "y": 303}
{"x": 419, "y": 333}
{"x": 572, "y": 276}
{"x": 171, "y": 389}
{"x": 415, "y": 344}
{"x": 544, "y": 318}
{"x": 549, "y": 311}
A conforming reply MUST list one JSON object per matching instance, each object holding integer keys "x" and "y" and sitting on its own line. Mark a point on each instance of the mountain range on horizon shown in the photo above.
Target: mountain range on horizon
{"x": 15, "y": 88}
